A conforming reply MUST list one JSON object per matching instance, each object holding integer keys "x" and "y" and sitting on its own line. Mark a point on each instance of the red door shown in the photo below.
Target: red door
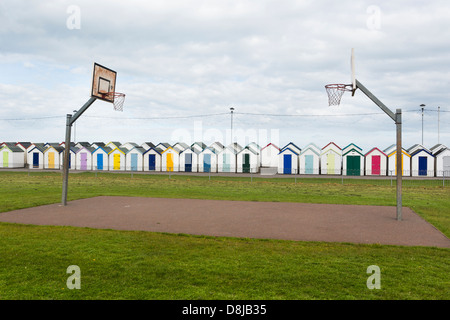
{"x": 376, "y": 164}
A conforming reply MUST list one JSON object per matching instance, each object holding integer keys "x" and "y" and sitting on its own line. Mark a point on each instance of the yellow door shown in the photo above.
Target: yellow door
{"x": 51, "y": 160}
{"x": 116, "y": 165}
{"x": 330, "y": 163}
{"x": 169, "y": 162}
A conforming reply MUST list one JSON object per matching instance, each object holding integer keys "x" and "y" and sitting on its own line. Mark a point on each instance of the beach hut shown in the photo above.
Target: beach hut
{"x": 170, "y": 160}
{"x": 247, "y": 160}
{"x": 36, "y": 156}
{"x": 113, "y": 144}
{"x": 52, "y": 157}
{"x": 309, "y": 159}
{"x": 198, "y": 146}
{"x": 288, "y": 161}
{"x": 392, "y": 162}
{"x": 207, "y": 160}
{"x": 422, "y": 163}
{"x": 117, "y": 159}
{"x": 129, "y": 145}
{"x": 180, "y": 146}
{"x": 163, "y": 145}
{"x": 269, "y": 156}
{"x": 293, "y": 147}
{"x": 189, "y": 160}
{"x": 83, "y": 158}
{"x": 226, "y": 158}
{"x": 100, "y": 158}
{"x": 353, "y": 162}
{"x": 147, "y": 145}
{"x": 11, "y": 156}
{"x": 442, "y": 162}
{"x": 217, "y": 146}
{"x": 375, "y": 163}
{"x": 351, "y": 146}
{"x": 25, "y": 146}
{"x": 98, "y": 144}
{"x": 331, "y": 159}
{"x": 82, "y": 144}
{"x": 152, "y": 159}
{"x": 135, "y": 159}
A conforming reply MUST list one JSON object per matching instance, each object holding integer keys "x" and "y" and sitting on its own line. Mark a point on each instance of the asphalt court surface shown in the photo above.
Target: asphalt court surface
{"x": 248, "y": 219}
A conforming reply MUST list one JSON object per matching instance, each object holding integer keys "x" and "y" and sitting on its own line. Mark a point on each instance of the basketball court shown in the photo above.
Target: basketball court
{"x": 244, "y": 219}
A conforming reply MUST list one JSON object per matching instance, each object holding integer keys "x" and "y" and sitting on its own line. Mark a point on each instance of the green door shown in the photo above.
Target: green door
{"x": 246, "y": 163}
{"x": 353, "y": 165}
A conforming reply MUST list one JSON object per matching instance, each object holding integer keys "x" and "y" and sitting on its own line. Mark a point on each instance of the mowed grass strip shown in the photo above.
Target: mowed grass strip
{"x": 145, "y": 265}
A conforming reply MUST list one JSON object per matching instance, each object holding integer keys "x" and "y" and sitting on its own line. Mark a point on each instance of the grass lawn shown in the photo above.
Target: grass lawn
{"x": 145, "y": 265}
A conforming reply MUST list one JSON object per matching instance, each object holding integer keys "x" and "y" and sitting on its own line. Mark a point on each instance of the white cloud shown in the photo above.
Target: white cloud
{"x": 182, "y": 58}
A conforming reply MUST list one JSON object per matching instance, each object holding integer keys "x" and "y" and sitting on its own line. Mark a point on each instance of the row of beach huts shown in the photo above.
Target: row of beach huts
{"x": 234, "y": 158}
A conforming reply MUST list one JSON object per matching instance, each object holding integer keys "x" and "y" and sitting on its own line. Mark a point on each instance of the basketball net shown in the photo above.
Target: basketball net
{"x": 335, "y": 92}
{"x": 118, "y": 100}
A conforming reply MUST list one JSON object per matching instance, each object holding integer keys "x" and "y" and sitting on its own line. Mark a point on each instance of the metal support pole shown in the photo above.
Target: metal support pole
{"x": 398, "y": 123}
{"x": 66, "y": 160}
{"x": 397, "y": 117}
{"x": 69, "y": 122}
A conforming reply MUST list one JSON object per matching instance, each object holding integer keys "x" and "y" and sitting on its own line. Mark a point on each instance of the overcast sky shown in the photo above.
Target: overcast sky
{"x": 183, "y": 64}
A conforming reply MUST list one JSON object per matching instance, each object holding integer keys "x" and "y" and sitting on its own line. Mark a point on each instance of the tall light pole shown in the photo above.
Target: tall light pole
{"x": 231, "y": 109}
{"x": 423, "y": 106}
{"x": 439, "y": 108}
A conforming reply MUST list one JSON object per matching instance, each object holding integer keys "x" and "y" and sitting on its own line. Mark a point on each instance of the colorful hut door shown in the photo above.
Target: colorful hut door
{"x": 134, "y": 161}
{"x": 376, "y": 165}
{"x": 5, "y": 159}
{"x": 287, "y": 164}
{"x": 188, "y": 162}
{"x": 116, "y": 161}
{"x": 330, "y": 163}
{"x": 83, "y": 160}
{"x": 309, "y": 164}
{"x": 169, "y": 162}
{"x": 99, "y": 161}
{"x": 51, "y": 160}
{"x": 207, "y": 163}
{"x": 423, "y": 166}
{"x": 35, "y": 160}
{"x": 151, "y": 162}
{"x": 246, "y": 163}
{"x": 353, "y": 165}
{"x": 226, "y": 167}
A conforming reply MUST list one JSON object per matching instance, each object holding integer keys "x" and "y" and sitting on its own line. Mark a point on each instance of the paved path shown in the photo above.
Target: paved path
{"x": 269, "y": 220}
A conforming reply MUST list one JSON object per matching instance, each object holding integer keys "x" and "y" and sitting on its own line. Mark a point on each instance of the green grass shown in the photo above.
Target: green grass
{"x": 145, "y": 265}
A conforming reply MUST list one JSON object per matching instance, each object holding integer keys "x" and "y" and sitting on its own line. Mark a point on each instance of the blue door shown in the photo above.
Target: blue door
{"x": 188, "y": 162}
{"x": 35, "y": 160}
{"x": 207, "y": 163}
{"x": 287, "y": 164}
{"x": 134, "y": 161}
{"x": 309, "y": 164}
{"x": 99, "y": 161}
{"x": 151, "y": 162}
{"x": 423, "y": 163}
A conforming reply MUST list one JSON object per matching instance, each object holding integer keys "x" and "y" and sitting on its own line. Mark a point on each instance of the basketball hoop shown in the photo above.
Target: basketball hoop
{"x": 335, "y": 92}
{"x": 117, "y": 99}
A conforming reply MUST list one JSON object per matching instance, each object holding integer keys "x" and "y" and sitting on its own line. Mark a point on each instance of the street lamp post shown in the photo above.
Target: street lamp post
{"x": 423, "y": 106}
{"x": 231, "y": 109}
